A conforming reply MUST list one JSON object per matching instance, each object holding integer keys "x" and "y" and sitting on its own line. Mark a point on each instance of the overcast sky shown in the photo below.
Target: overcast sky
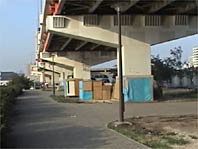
{"x": 17, "y": 30}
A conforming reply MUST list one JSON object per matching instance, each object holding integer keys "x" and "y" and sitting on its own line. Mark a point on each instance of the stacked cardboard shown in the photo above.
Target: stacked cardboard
{"x": 97, "y": 90}
{"x": 106, "y": 92}
{"x": 72, "y": 87}
{"x": 87, "y": 85}
{"x": 94, "y": 90}
{"x": 115, "y": 94}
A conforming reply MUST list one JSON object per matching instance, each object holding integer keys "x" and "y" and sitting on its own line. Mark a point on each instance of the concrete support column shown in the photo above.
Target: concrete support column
{"x": 82, "y": 72}
{"x": 56, "y": 78}
{"x": 136, "y": 59}
{"x": 41, "y": 77}
{"x": 137, "y": 78}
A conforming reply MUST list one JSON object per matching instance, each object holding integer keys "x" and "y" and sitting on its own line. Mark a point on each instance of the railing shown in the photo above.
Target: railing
{"x": 181, "y": 20}
{"x": 59, "y": 22}
{"x": 153, "y": 20}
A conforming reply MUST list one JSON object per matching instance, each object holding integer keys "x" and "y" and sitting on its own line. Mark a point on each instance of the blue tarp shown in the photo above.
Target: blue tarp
{"x": 84, "y": 95}
{"x": 65, "y": 87}
{"x": 80, "y": 84}
{"x": 139, "y": 89}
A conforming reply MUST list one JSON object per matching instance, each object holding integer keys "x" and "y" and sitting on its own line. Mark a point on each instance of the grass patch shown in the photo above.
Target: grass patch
{"x": 193, "y": 137}
{"x": 62, "y": 99}
{"x": 191, "y": 94}
{"x": 184, "y": 96}
{"x": 149, "y": 138}
{"x": 157, "y": 145}
{"x": 171, "y": 133}
{"x": 175, "y": 140}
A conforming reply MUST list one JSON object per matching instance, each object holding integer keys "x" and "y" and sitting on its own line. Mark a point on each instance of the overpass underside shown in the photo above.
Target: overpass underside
{"x": 84, "y": 33}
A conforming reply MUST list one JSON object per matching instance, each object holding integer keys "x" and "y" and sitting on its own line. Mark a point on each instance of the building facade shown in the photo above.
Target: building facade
{"x": 195, "y": 57}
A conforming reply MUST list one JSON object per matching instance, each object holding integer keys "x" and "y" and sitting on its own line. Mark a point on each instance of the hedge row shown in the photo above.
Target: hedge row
{"x": 8, "y": 95}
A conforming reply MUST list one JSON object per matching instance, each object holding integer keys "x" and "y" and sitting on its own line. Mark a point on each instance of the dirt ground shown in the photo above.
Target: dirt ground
{"x": 185, "y": 126}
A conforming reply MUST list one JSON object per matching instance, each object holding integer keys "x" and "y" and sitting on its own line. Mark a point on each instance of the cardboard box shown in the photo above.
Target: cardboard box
{"x": 72, "y": 87}
{"x": 97, "y": 90}
{"x": 115, "y": 94}
{"x": 97, "y": 83}
{"x": 106, "y": 92}
{"x": 106, "y": 87}
{"x": 87, "y": 85}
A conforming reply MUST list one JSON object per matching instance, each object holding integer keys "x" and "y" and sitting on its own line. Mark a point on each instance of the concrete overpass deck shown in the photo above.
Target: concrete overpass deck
{"x": 104, "y": 7}
{"x": 143, "y": 17}
{"x": 58, "y": 43}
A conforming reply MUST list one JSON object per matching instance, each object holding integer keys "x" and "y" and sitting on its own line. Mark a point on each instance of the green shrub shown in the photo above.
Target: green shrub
{"x": 8, "y": 95}
{"x": 7, "y": 98}
{"x": 157, "y": 90}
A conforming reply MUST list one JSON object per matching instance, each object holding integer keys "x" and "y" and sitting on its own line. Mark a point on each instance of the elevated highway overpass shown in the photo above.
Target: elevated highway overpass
{"x": 81, "y": 31}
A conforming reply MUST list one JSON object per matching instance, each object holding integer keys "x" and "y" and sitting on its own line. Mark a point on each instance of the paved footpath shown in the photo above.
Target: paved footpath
{"x": 41, "y": 122}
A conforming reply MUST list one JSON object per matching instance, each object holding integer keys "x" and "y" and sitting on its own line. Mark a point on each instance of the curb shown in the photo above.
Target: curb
{"x": 132, "y": 140}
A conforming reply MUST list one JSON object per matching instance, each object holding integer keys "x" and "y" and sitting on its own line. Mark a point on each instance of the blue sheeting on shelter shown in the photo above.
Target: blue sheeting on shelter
{"x": 65, "y": 87}
{"x": 84, "y": 95}
{"x": 139, "y": 89}
{"x": 80, "y": 85}
{"x": 80, "y": 90}
{"x": 125, "y": 92}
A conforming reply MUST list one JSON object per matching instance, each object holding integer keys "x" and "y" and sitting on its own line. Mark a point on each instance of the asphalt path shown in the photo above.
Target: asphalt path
{"x": 40, "y": 122}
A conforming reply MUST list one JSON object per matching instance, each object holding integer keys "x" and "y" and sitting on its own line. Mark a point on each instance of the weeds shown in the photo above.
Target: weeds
{"x": 193, "y": 137}
{"x": 153, "y": 140}
{"x": 62, "y": 99}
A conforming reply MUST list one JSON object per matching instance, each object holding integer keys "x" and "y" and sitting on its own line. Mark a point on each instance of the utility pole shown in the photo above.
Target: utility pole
{"x": 44, "y": 76}
{"x": 53, "y": 83}
{"x": 121, "y": 96}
